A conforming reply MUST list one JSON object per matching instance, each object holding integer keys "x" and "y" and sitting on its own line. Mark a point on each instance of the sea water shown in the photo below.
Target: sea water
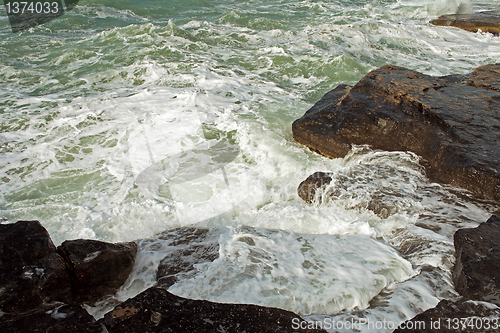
{"x": 122, "y": 119}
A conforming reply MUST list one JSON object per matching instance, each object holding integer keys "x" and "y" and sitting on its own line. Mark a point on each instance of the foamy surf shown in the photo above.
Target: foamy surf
{"x": 93, "y": 103}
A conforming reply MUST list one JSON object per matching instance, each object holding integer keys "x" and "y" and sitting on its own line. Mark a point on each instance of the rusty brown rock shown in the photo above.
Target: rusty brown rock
{"x": 487, "y": 21}
{"x": 452, "y": 122}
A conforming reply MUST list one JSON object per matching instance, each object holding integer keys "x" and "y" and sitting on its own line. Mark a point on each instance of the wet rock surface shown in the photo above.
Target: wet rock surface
{"x": 477, "y": 269}
{"x": 97, "y": 268}
{"x": 23, "y": 242}
{"x": 486, "y": 21}
{"x": 157, "y": 310}
{"x": 36, "y": 281}
{"x": 58, "y": 318}
{"x": 192, "y": 246}
{"x": 31, "y": 272}
{"x": 454, "y": 316}
{"x": 452, "y": 122}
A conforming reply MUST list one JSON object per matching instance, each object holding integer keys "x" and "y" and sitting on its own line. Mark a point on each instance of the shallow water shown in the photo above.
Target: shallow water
{"x": 112, "y": 91}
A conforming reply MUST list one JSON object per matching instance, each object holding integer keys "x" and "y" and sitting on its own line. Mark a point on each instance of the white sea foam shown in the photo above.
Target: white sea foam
{"x": 112, "y": 102}
{"x": 302, "y": 273}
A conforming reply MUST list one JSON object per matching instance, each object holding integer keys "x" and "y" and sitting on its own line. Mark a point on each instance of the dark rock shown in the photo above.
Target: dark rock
{"x": 487, "y": 21}
{"x": 52, "y": 319}
{"x": 97, "y": 268}
{"x": 477, "y": 268}
{"x": 453, "y": 317}
{"x": 452, "y": 122}
{"x": 31, "y": 272}
{"x": 157, "y": 310}
{"x": 23, "y": 242}
{"x": 308, "y": 188}
{"x": 51, "y": 276}
{"x": 192, "y": 246}
{"x": 18, "y": 294}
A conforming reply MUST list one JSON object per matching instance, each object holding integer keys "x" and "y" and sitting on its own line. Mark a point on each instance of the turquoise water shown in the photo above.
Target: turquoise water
{"x": 91, "y": 100}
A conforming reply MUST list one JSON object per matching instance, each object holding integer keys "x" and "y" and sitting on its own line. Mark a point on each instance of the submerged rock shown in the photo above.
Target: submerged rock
{"x": 192, "y": 246}
{"x": 476, "y": 276}
{"x": 452, "y": 122}
{"x": 157, "y": 310}
{"x": 353, "y": 188}
{"x": 97, "y": 268}
{"x": 31, "y": 272}
{"x": 487, "y": 21}
{"x": 454, "y": 316}
{"x": 308, "y": 188}
{"x": 477, "y": 269}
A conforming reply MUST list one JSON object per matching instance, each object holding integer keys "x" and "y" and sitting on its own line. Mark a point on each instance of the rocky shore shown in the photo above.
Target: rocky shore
{"x": 486, "y": 21}
{"x": 453, "y": 124}
{"x": 43, "y": 288}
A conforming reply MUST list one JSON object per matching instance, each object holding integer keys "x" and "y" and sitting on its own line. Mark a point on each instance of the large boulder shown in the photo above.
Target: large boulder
{"x": 486, "y": 21}
{"x": 31, "y": 272}
{"x": 23, "y": 242}
{"x": 477, "y": 269}
{"x": 454, "y": 316}
{"x": 192, "y": 246}
{"x": 157, "y": 310}
{"x": 452, "y": 122}
{"x": 97, "y": 268}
